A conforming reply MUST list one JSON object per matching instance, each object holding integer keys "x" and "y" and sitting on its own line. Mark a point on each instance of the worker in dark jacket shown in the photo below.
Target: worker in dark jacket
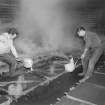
{"x": 92, "y": 51}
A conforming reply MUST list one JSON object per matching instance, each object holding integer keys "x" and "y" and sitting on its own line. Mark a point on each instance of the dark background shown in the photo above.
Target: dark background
{"x": 91, "y": 11}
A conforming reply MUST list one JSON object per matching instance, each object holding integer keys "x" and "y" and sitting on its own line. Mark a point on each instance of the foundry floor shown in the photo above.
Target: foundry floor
{"x": 92, "y": 92}
{"x": 59, "y": 92}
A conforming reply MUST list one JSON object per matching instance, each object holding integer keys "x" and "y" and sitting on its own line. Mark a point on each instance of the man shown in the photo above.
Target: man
{"x": 92, "y": 52}
{"x": 8, "y": 53}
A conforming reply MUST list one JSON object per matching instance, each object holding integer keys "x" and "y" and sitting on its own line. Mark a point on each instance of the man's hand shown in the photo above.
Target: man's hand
{"x": 84, "y": 53}
{"x": 13, "y": 36}
{"x": 82, "y": 57}
{"x": 19, "y": 59}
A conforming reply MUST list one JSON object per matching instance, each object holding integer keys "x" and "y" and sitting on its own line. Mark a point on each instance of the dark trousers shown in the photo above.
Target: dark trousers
{"x": 91, "y": 58}
{"x": 10, "y": 60}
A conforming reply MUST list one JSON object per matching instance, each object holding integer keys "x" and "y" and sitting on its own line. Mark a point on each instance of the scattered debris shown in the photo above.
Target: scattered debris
{"x": 72, "y": 88}
{"x": 58, "y": 99}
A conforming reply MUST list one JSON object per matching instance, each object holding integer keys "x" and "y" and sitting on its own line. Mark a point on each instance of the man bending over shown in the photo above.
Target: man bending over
{"x": 92, "y": 51}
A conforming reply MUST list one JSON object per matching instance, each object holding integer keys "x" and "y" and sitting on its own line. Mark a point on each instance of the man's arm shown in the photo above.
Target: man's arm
{"x": 85, "y": 51}
{"x": 87, "y": 46}
{"x": 13, "y": 50}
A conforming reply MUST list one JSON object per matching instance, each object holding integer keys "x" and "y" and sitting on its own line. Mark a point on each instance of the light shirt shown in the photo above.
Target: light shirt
{"x": 6, "y": 44}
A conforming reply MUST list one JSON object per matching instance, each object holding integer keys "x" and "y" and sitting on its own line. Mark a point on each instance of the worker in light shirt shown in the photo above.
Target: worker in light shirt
{"x": 8, "y": 53}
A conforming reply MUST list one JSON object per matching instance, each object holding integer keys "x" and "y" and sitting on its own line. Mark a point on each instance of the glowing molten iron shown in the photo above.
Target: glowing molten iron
{"x": 70, "y": 67}
{"x": 28, "y": 62}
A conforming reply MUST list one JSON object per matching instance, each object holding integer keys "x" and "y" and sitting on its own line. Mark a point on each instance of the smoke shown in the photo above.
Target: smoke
{"x": 44, "y": 25}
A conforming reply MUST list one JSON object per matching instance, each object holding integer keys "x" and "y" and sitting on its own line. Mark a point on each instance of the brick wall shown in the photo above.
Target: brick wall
{"x": 8, "y": 10}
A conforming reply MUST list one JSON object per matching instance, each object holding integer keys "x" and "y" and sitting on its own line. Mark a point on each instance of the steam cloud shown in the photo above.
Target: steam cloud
{"x": 44, "y": 25}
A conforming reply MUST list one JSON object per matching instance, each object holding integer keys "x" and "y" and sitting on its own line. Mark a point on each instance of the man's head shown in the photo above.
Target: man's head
{"x": 12, "y": 32}
{"x": 81, "y": 31}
